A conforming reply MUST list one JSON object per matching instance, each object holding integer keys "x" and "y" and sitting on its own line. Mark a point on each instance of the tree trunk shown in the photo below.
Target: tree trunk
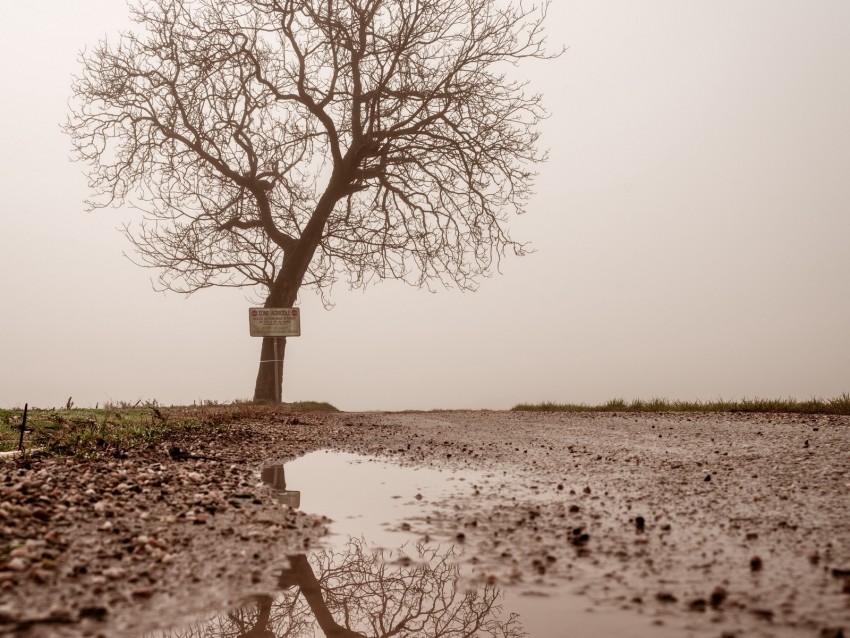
{"x": 301, "y": 573}
{"x": 269, "y": 386}
{"x": 284, "y": 292}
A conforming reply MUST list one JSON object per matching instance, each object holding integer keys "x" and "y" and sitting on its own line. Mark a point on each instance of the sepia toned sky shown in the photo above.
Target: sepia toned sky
{"x": 691, "y": 230}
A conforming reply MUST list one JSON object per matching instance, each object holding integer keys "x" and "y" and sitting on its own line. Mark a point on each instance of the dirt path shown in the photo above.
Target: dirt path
{"x": 736, "y": 522}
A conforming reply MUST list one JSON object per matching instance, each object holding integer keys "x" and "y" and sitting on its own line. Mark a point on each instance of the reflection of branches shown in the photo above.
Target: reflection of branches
{"x": 360, "y": 593}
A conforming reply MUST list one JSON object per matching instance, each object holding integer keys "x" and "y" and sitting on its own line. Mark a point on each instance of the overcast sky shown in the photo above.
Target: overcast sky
{"x": 691, "y": 231}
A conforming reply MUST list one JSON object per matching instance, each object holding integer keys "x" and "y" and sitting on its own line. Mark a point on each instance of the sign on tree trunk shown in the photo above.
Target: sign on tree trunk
{"x": 274, "y": 322}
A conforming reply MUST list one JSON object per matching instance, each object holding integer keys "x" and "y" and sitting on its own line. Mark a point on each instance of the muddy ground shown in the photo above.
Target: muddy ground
{"x": 736, "y": 523}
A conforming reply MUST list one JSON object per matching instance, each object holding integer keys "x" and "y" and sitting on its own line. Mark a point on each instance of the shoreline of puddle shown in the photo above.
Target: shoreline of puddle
{"x": 374, "y": 506}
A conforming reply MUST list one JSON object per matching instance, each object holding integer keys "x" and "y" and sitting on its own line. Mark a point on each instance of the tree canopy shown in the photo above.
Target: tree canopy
{"x": 280, "y": 143}
{"x": 388, "y": 124}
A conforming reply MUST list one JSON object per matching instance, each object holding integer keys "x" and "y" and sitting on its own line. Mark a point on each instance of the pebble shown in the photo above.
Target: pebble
{"x": 143, "y": 517}
{"x": 17, "y": 564}
{"x": 114, "y": 573}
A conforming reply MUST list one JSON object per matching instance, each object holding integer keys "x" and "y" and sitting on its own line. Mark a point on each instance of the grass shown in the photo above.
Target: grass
{"x": 117, "y": 427}
{"x": 837, "y": 405}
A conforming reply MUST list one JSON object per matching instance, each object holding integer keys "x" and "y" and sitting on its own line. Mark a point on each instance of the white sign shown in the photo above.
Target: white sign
{"x": 274, "y": 322}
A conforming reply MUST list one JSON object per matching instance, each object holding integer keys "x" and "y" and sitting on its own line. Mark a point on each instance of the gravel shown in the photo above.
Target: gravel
{"x": 734, "y": 521}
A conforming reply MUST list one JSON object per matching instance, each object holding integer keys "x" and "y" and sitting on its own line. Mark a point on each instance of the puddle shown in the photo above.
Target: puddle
{"x": 383, "y": 572}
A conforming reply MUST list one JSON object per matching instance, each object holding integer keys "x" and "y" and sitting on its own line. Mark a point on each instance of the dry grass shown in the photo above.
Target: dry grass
{"x": 837, "y": 405}
{"x": 117, "y": 427}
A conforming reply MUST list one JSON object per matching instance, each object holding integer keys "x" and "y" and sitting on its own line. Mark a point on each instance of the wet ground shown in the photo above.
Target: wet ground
{"x": 552, "y": 525}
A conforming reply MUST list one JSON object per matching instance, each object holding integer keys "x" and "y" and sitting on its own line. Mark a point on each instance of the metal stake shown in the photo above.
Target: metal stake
{"x": 23, "y": 427}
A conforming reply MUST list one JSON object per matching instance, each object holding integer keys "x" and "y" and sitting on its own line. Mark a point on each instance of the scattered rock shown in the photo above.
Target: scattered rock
{"x": 96, "y": 612}
{"x": 698, "y": 604}
{"x": 718, "y": 596}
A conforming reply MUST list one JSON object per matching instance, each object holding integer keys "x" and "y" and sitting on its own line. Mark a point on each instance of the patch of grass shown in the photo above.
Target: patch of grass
{"x": 310, "y": 406}
{"x": 837, "y": 405}
{"x": 120, "y": 426}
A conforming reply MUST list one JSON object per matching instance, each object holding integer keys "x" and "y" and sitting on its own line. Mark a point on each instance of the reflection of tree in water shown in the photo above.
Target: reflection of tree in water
{"x": 360, "y": 593}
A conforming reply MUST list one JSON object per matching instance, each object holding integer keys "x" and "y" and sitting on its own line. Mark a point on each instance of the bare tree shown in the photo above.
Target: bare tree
{"x": 359, "y": 592}
{"x": 277, "y": 144}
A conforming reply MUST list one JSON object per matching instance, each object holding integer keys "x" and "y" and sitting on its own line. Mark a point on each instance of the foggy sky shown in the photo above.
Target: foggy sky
{"x": 691, "y": 230}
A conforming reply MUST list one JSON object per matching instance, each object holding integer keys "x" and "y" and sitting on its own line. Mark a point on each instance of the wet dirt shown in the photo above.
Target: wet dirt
{"x": 704, "y": 525}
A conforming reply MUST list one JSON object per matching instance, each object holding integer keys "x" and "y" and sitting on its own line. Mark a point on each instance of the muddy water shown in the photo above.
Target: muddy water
{"x": 385, "y": 570}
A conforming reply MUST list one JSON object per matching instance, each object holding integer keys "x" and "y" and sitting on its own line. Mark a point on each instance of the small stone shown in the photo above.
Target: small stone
{"x": 580, "y": 539}
{"x": 698, "y": 604}
{"x": 665, "y": 597}
{"x": 17, "y": 564}
{"x": 718, "y": 596}
{"x": 60, "y": 615}
{"x": 53, "y": 537}
{"x": 40, "y": 576}
{"x": 94, "y": 612}
{"x": 113, "y": 573}
{"x": 640, "y": 523}
{"x": 7, "y": 615}
{"x": 756, "y": 564}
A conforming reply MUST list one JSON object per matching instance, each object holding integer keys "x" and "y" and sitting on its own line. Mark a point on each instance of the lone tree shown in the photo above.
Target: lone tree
{"x": 278, "y": 144}
{"x": 360, "y": 592}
